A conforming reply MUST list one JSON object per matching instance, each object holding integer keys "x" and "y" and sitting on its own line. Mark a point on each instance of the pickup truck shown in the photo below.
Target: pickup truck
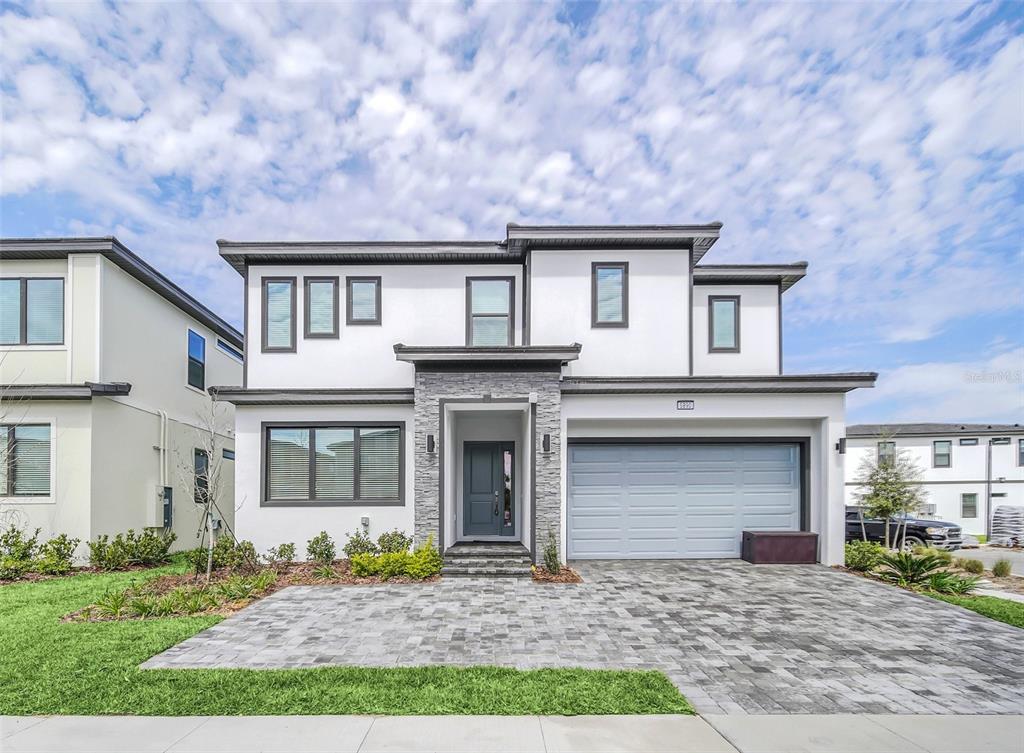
{"x": 938, "y": 534}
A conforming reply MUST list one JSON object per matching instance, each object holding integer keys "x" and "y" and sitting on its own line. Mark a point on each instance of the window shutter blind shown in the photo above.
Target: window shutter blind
{"x": 609, "y": 294}
{"x": 364, "y": 300}
{"x": 4, "y": 455}
{"x": 288, "y": 463}
{"x": 490, "y": 331}
{"x": 45, "y": 311}
{"x": 378, "y": 463}
{"x": 31, "y": 460}
{"x": 10, "y": 312}
{"x": 724, "y": 313}
{"x": 321, "y": 307}
{"x": 279, "y": 314}
{"x": 335, "y": 463}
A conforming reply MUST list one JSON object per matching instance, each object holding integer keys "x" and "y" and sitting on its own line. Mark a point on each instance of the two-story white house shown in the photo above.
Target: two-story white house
{"x": 596, "y": 385}
{"x": 104, "y": 410}
{"x": 967, "y": 470}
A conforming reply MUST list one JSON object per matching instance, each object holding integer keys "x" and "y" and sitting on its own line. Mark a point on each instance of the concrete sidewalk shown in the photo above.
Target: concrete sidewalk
{"x": 529, "y": 734}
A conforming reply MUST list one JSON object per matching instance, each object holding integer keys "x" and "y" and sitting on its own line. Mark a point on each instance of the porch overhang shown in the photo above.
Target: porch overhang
{"x": 787, "y": 383}
{"x": 353, "y": 396}
{"x": 86, "y": 391}
{"x": 470, "y": 357}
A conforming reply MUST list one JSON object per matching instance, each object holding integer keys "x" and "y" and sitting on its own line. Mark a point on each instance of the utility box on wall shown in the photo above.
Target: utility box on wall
{"x": 159, "y": 512}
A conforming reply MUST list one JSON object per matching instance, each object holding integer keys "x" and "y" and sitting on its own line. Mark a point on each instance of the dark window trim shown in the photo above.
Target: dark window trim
{"x": 879, "y": 453}
{"x": 711, "y": 323}
{"x": 190, "y": 359}
{"x": 335, "y": 329}
{"x": 201, "y": 481}
{"x": 265, "y": 500}
{"x": 968, "y": 494}
{"x": 264, "y": 281}
{"x": 624, "y": 266}
{"x": 970, "y": 442}
{"x": 23, "y": 311}
{"x": 348, "y": 302}
{"x": 511, "y": 307}
{"x": 1020, "y": 453}
{"x": 12, "y": 445}
{"x": 227, "y": 454}
{"x": 936, "y": 453}
{"x": 230, "y": 349}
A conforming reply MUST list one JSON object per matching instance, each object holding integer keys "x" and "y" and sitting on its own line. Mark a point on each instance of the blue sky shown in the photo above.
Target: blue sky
{"x": 883, "y": 143}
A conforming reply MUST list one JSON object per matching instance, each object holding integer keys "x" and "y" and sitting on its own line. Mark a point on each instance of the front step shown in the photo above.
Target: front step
{"x": 487, "y": 560}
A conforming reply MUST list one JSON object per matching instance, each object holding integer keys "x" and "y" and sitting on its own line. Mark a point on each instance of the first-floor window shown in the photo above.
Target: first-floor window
{"x": 968, "y": 505}
{"x": 25, "y": 460}
{"x": 201, "y": 463}
{"x": 344, "y": 463}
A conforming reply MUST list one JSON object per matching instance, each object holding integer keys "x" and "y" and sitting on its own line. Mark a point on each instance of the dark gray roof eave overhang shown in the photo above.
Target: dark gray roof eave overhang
{"x": 783, "y": 275}
{"x": 86, "y": 391}
{"x": 112, "y": 249}
{"x": 515, "y": 354}
{"x": 931, "y": 429}
{"x": 699, "y": 238}
{"x": 240, "y": 396}
{"x": 787, "y": 383}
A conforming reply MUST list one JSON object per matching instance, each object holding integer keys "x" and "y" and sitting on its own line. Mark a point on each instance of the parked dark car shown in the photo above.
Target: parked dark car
{"x": 938, "y": 534}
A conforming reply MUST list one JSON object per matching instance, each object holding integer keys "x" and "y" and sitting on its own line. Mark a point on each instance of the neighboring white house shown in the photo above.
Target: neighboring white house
{"x": 104, "y": 367}
{"x": 968, "y": 469}
{"x": 595, "y": 383}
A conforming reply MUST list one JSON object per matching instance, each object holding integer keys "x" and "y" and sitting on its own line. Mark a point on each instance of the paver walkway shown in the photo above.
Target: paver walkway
{"x": 735, "y": 638}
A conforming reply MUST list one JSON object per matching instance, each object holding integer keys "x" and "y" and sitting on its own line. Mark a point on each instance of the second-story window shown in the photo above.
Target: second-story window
{"x": 724, "y": 323}
{"x": 886, "y": 453}
{"x": 321, "y": 307}
{"x": 609, "y": 294}
{"x": 363, "y": 300}
{"x": 942, "y": 453}
{"x": 196, "y": 360}
{"x": 1020, "y": 452}
{"x": 489, "y": 317}
{"x": 32, "y": 311}
{"x": 279, "y": 314}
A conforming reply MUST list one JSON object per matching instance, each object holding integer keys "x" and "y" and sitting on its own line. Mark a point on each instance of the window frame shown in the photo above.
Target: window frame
{"x": 264, "y": 315}
{"x": 266, "y": 501}
{"x": 594, "y": 267}
{"x": 189, "y": 360}
{"x": 8, "y": 492}
{"x": 879, "y": 453}
{"x": 969, "y": 494}
{"x": 936, "y": 453}
{"x": 511, "y": 315}
{"x": 349, "y": 321}
{"x": 335, "y": 332}
{"x": 23, "y": 312}
{"x": 198, "y": 452}
{"x": 712, "y": 299}
{"x": 969, "y": 442}
{"x": 1020, "y": 453}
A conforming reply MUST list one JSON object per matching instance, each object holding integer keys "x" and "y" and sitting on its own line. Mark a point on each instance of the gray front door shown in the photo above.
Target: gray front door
{"x": 487, "y": 495}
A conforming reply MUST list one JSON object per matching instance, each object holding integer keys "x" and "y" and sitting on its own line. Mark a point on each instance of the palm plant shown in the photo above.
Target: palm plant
{"x": 907, "y": 569}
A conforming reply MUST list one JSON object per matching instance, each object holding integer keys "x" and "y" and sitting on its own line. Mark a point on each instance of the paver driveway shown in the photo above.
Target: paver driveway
{"x": 734, "y": 637}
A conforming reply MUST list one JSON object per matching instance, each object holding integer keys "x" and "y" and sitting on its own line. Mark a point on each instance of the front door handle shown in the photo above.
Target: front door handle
{"x": 495, "y": 503}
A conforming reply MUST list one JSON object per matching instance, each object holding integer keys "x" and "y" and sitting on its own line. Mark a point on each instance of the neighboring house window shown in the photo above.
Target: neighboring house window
{"x": 196, "y": 360}
{"x": 334, "y": 464}
{"x": 942, "y": 454}
{"x": 968, "y": 505}
{"x": 321, "y": 318}
{"x": 201, "y": 463}
{"x": 609, "y": 294}
{"x": 886, "y": 453}
{"x": 362, "y": 295}
{"x": 968, "y": 442}
{"x": 32, "y": 311}
{"x": 724, "y": 323}
{"x": 230, "y": 349}
{"x": 227, "y": 454}
{"x": 25, "y": 460}
{"x": 1020, "y": 452}
{"x": 279, "y": 314}
{"x": 489, "y": 317}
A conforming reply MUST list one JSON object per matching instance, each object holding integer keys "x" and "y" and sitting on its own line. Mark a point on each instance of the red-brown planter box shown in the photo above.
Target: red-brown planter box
{"x": 780, "y": 547}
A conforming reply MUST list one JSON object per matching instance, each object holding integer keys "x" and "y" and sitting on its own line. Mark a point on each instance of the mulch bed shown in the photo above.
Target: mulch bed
{"x": 31, "y": 577}
{"x": 566, "y": 575}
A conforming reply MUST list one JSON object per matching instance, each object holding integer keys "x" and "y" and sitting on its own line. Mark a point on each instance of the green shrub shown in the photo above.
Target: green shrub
{"x": 425, "y": 561}
{"x": 945, "y": 582}
{"x": 1002, "y": 568}
{"x": 393, "y": 542}
{"x": 242, "y": 556}
{"x": 125, "y": 549}
{"x": 105, "y": 554}
{"x": 863, "y": 556}
{"x": 113, "y": 604}
{"x": 12, "y": 568}
{"x": 907, "y": 569}
{"x": 227, "y": 553}
{"x": 365, "y": 564}
{"x": 975, "y": 567}
{"x": 325, "y": 572}
{"x": 14, "y": 544}
{"x": 57, "y": 555}
{"x": 392, "y": 564}
{"x": 151, "y": 548}
{"x": 359, "y": 543}
{"x": 551, "y": 561}
{"x": 320, "y": 548}
{"x": 282, "y": 553}
{"x": 144, "y": 606}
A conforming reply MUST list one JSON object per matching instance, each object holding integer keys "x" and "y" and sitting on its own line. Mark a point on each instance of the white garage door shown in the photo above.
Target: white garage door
{"x": 637, "y": 501}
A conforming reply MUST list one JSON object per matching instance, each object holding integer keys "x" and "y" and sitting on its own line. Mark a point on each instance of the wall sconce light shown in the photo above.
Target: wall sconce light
{"x": 430, "y": 442}
{"x": 546, "y": 443}
{"x": 841, "y": 446}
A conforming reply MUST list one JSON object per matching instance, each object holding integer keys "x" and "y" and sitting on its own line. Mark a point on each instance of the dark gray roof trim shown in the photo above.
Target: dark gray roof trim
{"x": 509, "y": 354}
{"x": 717, "y": 384}
{"x": 698, "y": 237}
{"x": 122, "y": 256}
{"x": 86, "y": 391}
{"x": 937, "y": 429}
{"x": 785, "y": 275}
{"x": 353, "y": 396}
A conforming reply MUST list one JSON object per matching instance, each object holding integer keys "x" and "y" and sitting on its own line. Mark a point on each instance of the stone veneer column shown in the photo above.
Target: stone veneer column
{"x": 433, "y": 386}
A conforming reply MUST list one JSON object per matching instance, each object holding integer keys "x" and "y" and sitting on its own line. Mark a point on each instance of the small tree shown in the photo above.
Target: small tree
{"x": 889, "y": 487}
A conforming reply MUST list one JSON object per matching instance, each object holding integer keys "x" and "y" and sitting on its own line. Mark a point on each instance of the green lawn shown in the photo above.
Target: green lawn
{"x": 50, "y": 667}
{"x": 1004, "y": 610}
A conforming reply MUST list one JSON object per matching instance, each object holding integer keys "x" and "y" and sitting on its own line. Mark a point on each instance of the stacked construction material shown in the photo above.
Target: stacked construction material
{"x": 1008, "y": 526}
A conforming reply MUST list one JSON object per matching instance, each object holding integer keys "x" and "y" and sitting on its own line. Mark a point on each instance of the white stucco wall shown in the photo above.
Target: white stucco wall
{"x": 759, "y": 331}
{"x": 656, "y": 342}
{"x": 420, "y": 305}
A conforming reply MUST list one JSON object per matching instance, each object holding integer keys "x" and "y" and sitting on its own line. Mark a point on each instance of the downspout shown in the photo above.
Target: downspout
{"x": 163, "y": 447}
{"x": 988, "y": 490}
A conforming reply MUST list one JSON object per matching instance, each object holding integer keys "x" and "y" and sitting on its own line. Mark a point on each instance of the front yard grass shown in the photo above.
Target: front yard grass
{"x": 53, "y": 667}
{"x": 1004, "y": 610}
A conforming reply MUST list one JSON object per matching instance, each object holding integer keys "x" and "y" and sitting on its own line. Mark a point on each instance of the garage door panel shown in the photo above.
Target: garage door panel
{"x": 672, "y": 501}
